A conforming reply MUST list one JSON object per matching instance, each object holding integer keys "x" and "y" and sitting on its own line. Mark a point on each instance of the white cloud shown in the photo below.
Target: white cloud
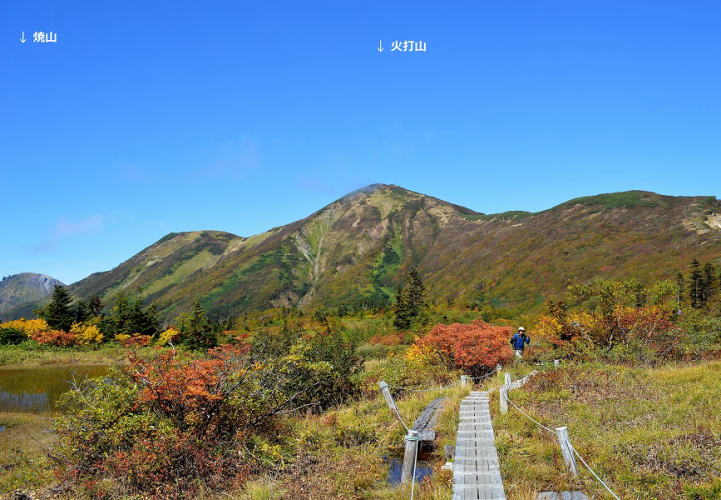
{"x": 65, "y": 228}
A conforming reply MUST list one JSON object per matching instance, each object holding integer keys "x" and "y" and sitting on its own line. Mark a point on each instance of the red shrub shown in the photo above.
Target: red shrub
{"x": 475, "y": 347}
{"x": 54, "y": 337}
{"x": 136, "y": 340}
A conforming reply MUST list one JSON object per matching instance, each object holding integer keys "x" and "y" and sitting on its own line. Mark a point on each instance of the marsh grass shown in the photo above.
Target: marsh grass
{"x": 342, "y": 453}
{"x": 649, "y": 433}
{"x": 23, "y": 461}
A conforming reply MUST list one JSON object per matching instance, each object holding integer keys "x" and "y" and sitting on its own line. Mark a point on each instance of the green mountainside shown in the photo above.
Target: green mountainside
{"x": 19, "y": 290}
{"x": 357, "y": 250}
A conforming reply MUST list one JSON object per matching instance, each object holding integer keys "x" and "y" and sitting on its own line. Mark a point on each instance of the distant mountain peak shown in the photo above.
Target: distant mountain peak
{"x": 20, "y": 289}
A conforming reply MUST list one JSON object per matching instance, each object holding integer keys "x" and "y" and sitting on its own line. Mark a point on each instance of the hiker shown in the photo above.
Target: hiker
{"x": 519, "y": 341}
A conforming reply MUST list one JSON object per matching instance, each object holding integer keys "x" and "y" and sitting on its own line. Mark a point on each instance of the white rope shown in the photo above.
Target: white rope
{"x": 481, "y": 377}
{"x": 594, "y": 474}
{"x": 572, "y": 448}
{"x": 529, "y": 417}
{"x": 424, "y": 390}
{"x": 398, "y": 413}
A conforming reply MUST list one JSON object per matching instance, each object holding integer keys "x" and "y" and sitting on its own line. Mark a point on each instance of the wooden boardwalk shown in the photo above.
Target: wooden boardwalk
{"x": 426, "y": 422}
{"x": 476, "y": 473}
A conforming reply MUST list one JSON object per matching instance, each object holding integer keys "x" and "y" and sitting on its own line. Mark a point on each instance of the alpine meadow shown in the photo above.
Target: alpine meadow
{"x": 250, "y": 367}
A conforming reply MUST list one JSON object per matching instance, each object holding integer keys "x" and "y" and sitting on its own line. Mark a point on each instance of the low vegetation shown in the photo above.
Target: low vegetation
{"x": 285, "y": 403}
{"x": 648, "y": 432}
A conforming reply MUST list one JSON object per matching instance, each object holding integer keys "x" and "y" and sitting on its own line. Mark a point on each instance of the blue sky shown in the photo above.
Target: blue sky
{"x": 152, "y": 117}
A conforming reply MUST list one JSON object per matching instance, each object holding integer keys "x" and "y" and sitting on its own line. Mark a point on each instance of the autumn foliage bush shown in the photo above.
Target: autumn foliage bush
{"x": 168, "y": 427}
{"x": 28, "y": 326}
{"x": 57, "y": 338}
{"x": 475, "y": 348}
{"x": 621, "y": 333}
{"x": 162, "y": 427}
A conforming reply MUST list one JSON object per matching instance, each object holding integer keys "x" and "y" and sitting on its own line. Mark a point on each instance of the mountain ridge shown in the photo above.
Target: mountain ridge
{"x": 357, "y": 249}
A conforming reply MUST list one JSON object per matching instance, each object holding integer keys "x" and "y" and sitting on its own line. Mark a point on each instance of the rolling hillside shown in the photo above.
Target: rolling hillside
{"x": 358, "y": 248}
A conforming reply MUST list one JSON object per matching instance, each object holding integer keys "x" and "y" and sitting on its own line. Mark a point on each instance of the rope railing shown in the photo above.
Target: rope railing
{"x": 562, "y": 434}
{"x": 410, "y": 389}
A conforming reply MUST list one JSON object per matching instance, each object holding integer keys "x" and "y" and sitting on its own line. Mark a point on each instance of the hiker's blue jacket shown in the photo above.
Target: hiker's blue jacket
{"x": 517, "y": 341}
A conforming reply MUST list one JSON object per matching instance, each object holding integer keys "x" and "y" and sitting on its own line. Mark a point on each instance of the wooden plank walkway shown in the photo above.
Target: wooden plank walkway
{"x": 426, "y": 421}
{"x": 476, "y": 471}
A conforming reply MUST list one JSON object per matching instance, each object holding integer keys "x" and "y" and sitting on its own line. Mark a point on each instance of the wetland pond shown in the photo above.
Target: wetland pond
{"x": 37, "y": 389}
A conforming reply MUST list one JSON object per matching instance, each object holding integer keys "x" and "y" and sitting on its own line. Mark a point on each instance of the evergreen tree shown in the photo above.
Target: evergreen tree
{"x": 59, "y": 313}
{"x": 410, "y": 306}
{"x": 695, "y": 289}
{"x": 195, "y": 329}
{"x": 402, "y": 318}
{"x": 95, "y": 307}
{"x": 81, "y": 311}
{"x": 128, "y": 317}
{"x": 416, "y": 297}
{"x": 709, "y": 282}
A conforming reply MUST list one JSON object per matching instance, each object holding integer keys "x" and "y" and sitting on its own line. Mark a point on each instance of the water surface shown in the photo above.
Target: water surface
{"x": 37, "y": 389}
{"x": 395, "y": 467}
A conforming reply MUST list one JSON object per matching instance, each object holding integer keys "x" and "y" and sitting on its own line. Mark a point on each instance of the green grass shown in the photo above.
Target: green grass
{"x": 14, "y": 356}
{"x": 23, "y": 460}
{"x": 649, "y": 433}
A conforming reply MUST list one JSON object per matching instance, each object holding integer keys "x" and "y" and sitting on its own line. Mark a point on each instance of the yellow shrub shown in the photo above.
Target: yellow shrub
{"x": 28, "y": 326}
{"x": 122, "y": 336}
{"x": 168, "y": 335}
{"x": 421, "y": 354}
{"x": 86, "y": 334}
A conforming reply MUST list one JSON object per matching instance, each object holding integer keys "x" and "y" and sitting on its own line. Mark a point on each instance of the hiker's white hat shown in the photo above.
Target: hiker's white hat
{"x": 521, "y": 329}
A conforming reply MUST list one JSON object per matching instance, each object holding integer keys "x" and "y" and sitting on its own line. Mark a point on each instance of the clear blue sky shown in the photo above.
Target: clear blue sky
{"x": 155, "y": 116}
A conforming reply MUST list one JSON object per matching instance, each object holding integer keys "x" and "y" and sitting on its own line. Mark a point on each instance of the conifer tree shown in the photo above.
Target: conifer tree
{"x": 195, "y": 329}
{"x": 95, "y": 307}
{"x": 129, "y": 317}
{"x": 695, "y": 289}
{"x": 81, "y": 311}
{"x": 709, "y": 282}
{"x": 402, "y": 318}
{"x": 415, "y": 297}
{"x": 59, "y": 313}
{"x": 410, "y": 306}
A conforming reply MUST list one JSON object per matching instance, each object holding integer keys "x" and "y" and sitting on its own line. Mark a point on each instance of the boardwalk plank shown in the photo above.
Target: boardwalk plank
{"x": 476, "y": 470}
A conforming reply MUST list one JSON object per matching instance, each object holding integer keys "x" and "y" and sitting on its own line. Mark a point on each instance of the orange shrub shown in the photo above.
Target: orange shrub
{"x": 390, "y": 339}
{"x": 54, "y": 337}
{"x": 134, "y": 340}
{"x": 475, "y": 347}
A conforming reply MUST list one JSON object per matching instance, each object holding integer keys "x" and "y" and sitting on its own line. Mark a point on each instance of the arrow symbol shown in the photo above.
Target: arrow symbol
{"x": 380, "y": 45}
{"x": 22, "y": 38}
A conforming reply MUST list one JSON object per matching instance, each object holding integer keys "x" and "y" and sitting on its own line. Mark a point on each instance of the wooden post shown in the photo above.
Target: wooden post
{"x": 409, "y": 457}
{"x": 385, "y": 390}
{"x": 498, "y": 368}
{"x": 556, "y": 363}
{"x": 507, "y": 378}
{"x": 566, "y": 450}
{"x": 503, "y": 399}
